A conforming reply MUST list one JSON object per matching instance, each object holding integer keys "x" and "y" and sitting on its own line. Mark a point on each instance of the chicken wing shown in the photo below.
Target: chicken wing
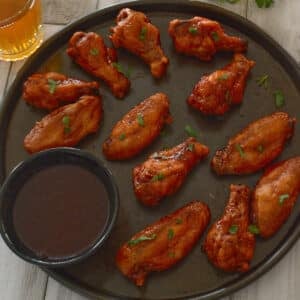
{"x": 202, "y": 38}
{"x": 89, "y": 51}
{"x": 216, "y": 93}
{"x": 164, "y": 243}
{"x": 229, "y": 245}
{"x": 275, "y": 195}
{"x": 255, "y": 146}
{"x": 135, "y": 33}
{"x": 138, "y": 128}
{"x": 51, "y": 90}
{"x": 164, "y": 172}
{"x": 66, "y": 125}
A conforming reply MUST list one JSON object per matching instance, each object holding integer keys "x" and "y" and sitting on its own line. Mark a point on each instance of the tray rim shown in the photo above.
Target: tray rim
{"x": 248, "y": 28}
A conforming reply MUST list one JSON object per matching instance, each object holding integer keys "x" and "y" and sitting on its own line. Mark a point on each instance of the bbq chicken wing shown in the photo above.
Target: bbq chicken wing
{"x": 51, "y": 90}
{"x": 216, "y": 93}
{"x": 164, "y": 243}
{"x": 138, "y": 128}
{"x": 65, "y": 126}
{"x": 229, "y": 245}
{"x": 255, "y": 146}
{"x": 164, "y": 172}
{"x": 135, "y": 33}
{"x": 89, "y": 51}
{"x": 202, "y": 38}
{"x": 275, "y": 196}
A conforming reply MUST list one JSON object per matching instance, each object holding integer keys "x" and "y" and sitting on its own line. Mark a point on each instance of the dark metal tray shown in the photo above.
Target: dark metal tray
{"x": 194, "y": 276}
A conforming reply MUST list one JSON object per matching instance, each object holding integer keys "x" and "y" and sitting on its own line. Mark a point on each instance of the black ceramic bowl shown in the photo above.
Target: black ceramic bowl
{"x": 21, "y": 174}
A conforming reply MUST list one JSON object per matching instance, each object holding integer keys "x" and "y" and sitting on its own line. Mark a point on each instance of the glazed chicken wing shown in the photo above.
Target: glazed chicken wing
{"x": 164, "y": 243}
{"x": 275, "y": 196}
{"x": 164, "y": 172}
{"x": 135, "y": 33}
{"x": 51, "y": 90}
{"x": 202, "y": 38}
{"x": 138, "y": 128}
{"x": 229, "y": 245}
{"x": 216, "y": 93}
{"x": 255, "y": 146}
{"x": 89, "y": 51}
{"x": 66, "y": 125}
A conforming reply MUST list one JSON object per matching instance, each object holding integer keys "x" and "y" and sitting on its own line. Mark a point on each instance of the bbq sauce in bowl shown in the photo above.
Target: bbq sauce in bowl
{"x": 60, "y": 211}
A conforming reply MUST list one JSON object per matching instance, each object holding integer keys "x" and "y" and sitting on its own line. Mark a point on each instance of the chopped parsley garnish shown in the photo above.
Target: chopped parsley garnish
{"x": 66, "y": 123}
{"x": 171, "y": 254}
{"x": 94, "y": 51}
{"x": 191, "y": 147}
{"x": 190, "y": 131}
{"x": 158, "y": 177}
{"x": 253, "y": 229}
{"x": 143, "y": 33}
{"x": 178, "y": 221}
{"x": 52, "y": 84}
{"x": 260, "y": 148}
{"x": 282, "y": 198}
{"x": 121, "y": 69}
{"x": 263, "y": 81}
{"x": 122, "y": 136}
{"x": 140, "y": 120}
{"x": 233, "y": 229}
{"x": 264, "y": 3}
{"x": 141, "y": 239}
{"x": 215, "y": 36}
{"x": 279, "y": 98}
{"x": 240, "y": 149}
{"x": 223, "y": 76}
{"x": 193, "y": 30}
{"x": 170, "y": 234}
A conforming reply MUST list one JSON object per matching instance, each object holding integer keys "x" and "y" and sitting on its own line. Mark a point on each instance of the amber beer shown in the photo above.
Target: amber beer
{"x": 20, "y": 28}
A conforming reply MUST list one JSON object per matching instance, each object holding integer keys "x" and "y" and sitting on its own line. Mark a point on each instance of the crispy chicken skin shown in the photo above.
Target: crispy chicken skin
{"x": 164, "y": 172}
{"x": 229, "y": 245}
{"x": 275, "y": 195}
{"x": 202, "y": 38}
{"x": 216, "y": 93}
{"x": 138, "y": 128}
{"x": 51, "y": 90}
{"x": 135, "y": 33}
{"x": 255, "y": 146}
{"x": 66, "y": 125}
{"x": 89, "y": 51}
{"x": 164, "y": 243}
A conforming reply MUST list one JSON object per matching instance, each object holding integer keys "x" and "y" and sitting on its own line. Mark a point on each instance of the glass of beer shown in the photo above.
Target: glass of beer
{"x": 20, "y": 28}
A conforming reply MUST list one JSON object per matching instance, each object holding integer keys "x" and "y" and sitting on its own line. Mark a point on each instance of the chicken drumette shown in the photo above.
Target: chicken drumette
{"x": 89, "y": 51}
{"x": 275, "y": 196}
{"x": 164, "y": 172}
{"x": 229, "y": 245}
{"x": 164, "y": 243}
{"x": 135, "y": 33}
{"x": 216, "y": 93}
{"x": 66, "y": 125}
{"x": 51, "y": 90}
{"x": 255, "y": 146}
{"x": 138, "y": 128}
{"x": 202, "y": 38}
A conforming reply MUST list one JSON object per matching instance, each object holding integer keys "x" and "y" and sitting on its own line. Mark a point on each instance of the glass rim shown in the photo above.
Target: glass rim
{"x": 17, "y": 15}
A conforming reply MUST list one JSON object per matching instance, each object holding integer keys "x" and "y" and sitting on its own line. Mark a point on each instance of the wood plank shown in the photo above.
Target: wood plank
{"x": 4, "y": 70}
{"x": 63, "y": 12}
{"x": 281, "y": 21}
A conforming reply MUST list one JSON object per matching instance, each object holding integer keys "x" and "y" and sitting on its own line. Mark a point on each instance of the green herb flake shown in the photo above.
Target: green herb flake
{"x": 264, "y": 3}
{"x": 143, "y": 34}
{"x": 193, "y": 30}
{"x": 262, "y": 81}
{"x": 66, "y": 123}
{"x": 240, "y": 150}
{"x": 215, "y": 36}
{"x": 260, "y": 148}
{"x": 121, "y": 69}
{"x": 171, "y": 254}
{"x": 282, "y": 198}
{"x": 170, "y": 234}
{"x": 140, "y": 120}
{"x": 141, "y": 239}
{"x": 253, "y": 229}
{"x": 178, "y": 221}
{"x": 223, "y": 76}
{"x": 122, "y": 136}
{"x": 158, "y": 177}
{"x": 191, "y": 147}
{"x": 279, "y": 98}
{"x": 94, "y": 51}
{"x": 190, "y": 131}
{"x": 233, "y": 229}
{"x": 52, "y": 84}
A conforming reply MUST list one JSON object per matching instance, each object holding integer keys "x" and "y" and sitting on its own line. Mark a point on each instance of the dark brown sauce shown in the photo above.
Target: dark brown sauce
{"x": 60, "y": 211}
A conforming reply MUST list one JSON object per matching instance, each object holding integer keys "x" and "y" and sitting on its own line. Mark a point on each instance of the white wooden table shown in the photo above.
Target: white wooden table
{"x": 22, "y": 281}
